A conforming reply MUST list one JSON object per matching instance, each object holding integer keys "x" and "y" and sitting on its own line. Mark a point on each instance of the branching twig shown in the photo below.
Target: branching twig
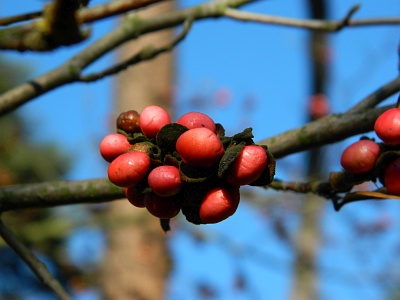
{"x": 147, "y": 53}
{"x": 323, "y": 25}
{"x": 132, "y": 28}
{"x": 34, "y": 263}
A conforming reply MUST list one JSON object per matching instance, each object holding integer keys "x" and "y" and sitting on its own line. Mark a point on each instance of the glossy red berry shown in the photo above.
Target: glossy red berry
{"x": 162, "y": 207}
{"x": 197, "y": 120}
{"x": 152, "y": 119}
{"x": 199, "y": 147}
{"x": 392, "y": 177}
{"x": 129, "y": 121}
{"x": 128, "y": 168}
{"x": 248, "y": 166}
{"x": 113, "y": 145}
{"x": 387, "y": 126}
{"x": 360, "y": 157}
{"x": 219, "y": 203}
{"x": 165, "y": 181}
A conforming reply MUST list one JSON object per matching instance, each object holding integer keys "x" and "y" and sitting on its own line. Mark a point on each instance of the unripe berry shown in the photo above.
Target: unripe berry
{"x": 197, "y": 120}
{"x": 219, "y": 204}
{"x": 152, "y": 119}
{"x": 199, "y": 147}
{"x": 248, "y": 166}
{"x": 128, "y": 168}
{"x": 387, "y": 126}
{"x": 360, "y": 157}
{"x": 113, "y": 145}
{"x": 128, "y": 121}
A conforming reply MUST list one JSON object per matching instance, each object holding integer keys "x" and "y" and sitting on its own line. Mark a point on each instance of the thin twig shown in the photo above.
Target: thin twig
{"x": 149, "y": 52}
{"x": 377, "y": 96}
{"x": 323, "y": 25}
{"x": 33, "y": 262}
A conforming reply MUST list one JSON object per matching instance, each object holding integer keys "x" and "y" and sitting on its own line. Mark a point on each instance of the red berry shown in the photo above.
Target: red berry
{"x": 360, "y": 157}
{"x": 152, "y": 119}
{"x": 129, "y": 121}
{"x": 162, "y": 207}
{"x": 391, "y": 177}
{"x": 128, "y": 168}
{"x": 248, "y": 166}
{"x": 197, "y": 120}
{"x": 113, "y": 145}
{"x": 135, "y": 198}
{"x": 387, "y": 126}
{"x": 199, "y": 147}
{"x": 219, "y": 203}
{"x": 165, "y": 181}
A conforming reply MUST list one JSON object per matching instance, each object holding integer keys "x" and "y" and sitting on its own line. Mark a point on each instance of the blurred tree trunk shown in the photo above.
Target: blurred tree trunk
{"x": 308, "y": 237}
{"x": 137, "y": 263}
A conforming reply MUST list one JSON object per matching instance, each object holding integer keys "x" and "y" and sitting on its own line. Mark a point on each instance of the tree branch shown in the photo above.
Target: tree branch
{"x": 330, "y": 129}
{"x": 149, "y": 52}
{"x": 322, "y": 25}
{"x": 131, "y": 28}
{"x": 55, "y": 193}
{"x": 34, "y": 263}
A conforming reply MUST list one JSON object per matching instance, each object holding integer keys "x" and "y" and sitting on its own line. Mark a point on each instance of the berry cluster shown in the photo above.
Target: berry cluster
{"x": 381, "y": 160}
{"x": 189, "y": 165}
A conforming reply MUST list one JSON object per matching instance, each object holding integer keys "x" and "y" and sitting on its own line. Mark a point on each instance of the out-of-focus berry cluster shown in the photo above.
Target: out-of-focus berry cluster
{"x": 370, "y": 160}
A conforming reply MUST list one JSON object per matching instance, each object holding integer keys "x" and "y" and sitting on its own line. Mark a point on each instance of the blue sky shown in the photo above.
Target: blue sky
{"x": 269, "y": 65}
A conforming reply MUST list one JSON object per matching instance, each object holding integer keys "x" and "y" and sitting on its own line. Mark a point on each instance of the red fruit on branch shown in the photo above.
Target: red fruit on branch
{"x": 162, "y": 207}
{"x": 128, "y": 168}
{"x": 152, "y": 119}
{"x": 387, "y": 126}
{"x": 197, "y": 120}
{"x": 360, "y": 157}
{"x": 113, "y": 145}
{"x": 128, "y": 121}
{"x": 165, "y": 181}
{"x": 392, "y": 177}
{"x": 248, "y": 166}
{"x": 219, "y": 204}
{"x": 199, "y": 147}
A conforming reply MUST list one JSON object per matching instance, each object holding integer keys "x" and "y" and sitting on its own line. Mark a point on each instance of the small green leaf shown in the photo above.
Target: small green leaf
{"x": 229, "y": 157}
{"x": 168, "y": 135}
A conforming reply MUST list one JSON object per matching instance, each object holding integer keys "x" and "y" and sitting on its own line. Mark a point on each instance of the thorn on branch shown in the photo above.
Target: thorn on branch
{"x": 346, "y": 20}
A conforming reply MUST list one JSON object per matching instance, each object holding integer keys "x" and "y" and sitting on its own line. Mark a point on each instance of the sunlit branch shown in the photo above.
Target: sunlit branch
{"x": 147, "y": 53}
{"x": 327, "y": 130}
{"x": 322, "y": 25}
{"x": 33, "y": 262}
{"x": 55, "y": 193}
